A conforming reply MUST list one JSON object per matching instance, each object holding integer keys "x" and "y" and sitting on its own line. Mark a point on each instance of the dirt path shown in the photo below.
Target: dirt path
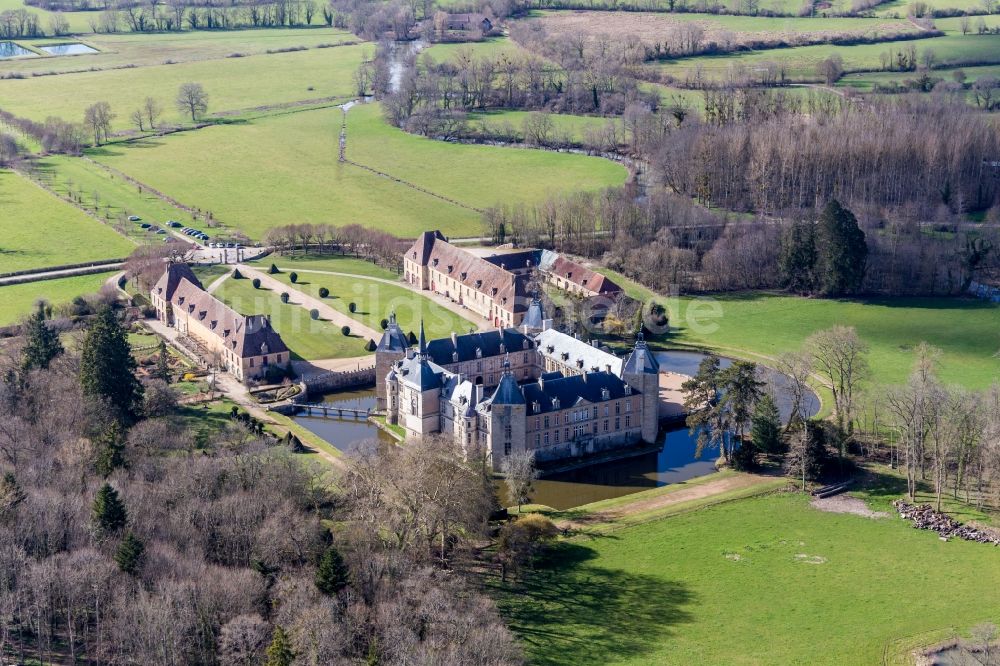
{"x": 650, "y": 504}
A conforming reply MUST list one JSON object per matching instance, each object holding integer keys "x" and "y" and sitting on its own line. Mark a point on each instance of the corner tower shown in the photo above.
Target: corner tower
{"x": 391, "y": 348}
{"x": 641, "y": 371}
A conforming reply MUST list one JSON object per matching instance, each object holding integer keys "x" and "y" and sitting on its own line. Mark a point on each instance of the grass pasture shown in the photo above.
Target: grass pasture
{"x": 572, "y": 127}
{"x": 375, "y": 300}
{"x": 766, "y": 580}
{"x": 307, "y": 183}
{"x": 38, "y": 230}
{"x": 307, "y": 339}
{"x": 232, "y": 84}
{"x": 17, "y": 300}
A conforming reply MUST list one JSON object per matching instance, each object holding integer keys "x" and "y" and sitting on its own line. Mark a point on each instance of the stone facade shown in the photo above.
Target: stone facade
{"x": 530, "y": 388}
{"x": 243, "y": 345}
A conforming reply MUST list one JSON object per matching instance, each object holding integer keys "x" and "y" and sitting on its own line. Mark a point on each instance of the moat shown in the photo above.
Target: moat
{"x": 673, "y": 461}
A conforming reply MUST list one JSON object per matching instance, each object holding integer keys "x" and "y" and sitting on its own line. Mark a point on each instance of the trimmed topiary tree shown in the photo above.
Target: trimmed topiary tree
{"x": 284, "y": 297}
{"x": 314, "y": 313}
{"x": 273, "y": 269}
{"x": 323, "y": 292}
{"x": 352, "y": 307}
{"x": 411, "y": 338}
{"x": 370, "y": 346}
{"x": 293, "y": 276}
{"x": 256, "y": 283}
{"x": 384, "y": 324}
{"x": 237, "y": 275}
{"x": 346, "y": 330}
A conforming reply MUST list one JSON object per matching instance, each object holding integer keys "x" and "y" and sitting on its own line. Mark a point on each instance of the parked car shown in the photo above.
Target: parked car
{"x": 174, "y": 224}
{"x": 134, "y": 218}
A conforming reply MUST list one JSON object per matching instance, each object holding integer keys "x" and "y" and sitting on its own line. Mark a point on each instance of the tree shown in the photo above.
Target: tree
{"x": 108, "y": 512}
{"x": 273, "y": 270}
{"x": 256, "y": 283}
{"x": 370, "y": 346}
{"x": 740, "y": 392}
{"x": 839, "y": 357}
{"x": 192, "y": 99}
{"x": 797, "y": 261}
{"x": 323, "y": 292}
{"x": 519, "y": 476}
{"x": 284, "y": 297}
{"x": 237, "y": 275}
{"x": 109, "y": 449}
{"x": 384, "y": 324}
{"x": 806, "y": 454}
{"x": 294, "y": 277}
{"x": 41, "y": 344}
{"x": 97, "y": 117}
{"x": 352, "y": 307}
{"x": 332, "y": 573}
{"x": 345, "y": 330}
{"x": 107, "y": 368}
{"x": 242, "y": 641}
{"x": 138, "y": 118}
{"x": 520, "y": 541}
{"x": 843, "y": 252}
{"x": 162, "y": 370}
{"x": 130, "y": 554}
{"x": 279, "y": 652}
{"x": 152, "y": 110}
{"x": 830, "y": 69}
{"x": 765, "y": 425}
{"x": 705, "y": 415}
{"x": 314, "y": 313}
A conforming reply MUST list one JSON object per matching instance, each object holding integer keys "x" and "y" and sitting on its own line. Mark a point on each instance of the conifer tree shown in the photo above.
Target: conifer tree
{"x": 107, "y": 368}
{"x": 797, "y": 262}
{"x": 765, "y": 425}
{"x": 279, "y": 652}
{"x": 109, "y": 449}
{"x": 163, "y": 363}
{"x": 109, "y": 514}
{"x": 331, "y": 575}
{"x": 843, "y": 252}
{"x": 131, "y": 554}
{"x": 42, "y": 343}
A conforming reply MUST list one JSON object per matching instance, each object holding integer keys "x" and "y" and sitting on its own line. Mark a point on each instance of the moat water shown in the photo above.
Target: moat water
{"x": 671, "y": 461}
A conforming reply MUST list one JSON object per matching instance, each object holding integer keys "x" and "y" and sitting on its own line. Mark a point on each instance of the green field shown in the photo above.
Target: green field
{"x": 335, "y": 264}
{"x": 800, "y": 62}
{"x": 307, "y": 339}
{"x": 298, "y": 154}
{"x": 231, "y": 83}
{"x": 17, "y": 300}
{"x": 375, "y": 300}
{"x": 571, "y": 127}
{"x": 766, "y": 580}
{"x": 966, "y": 330}
{"x": 866, "y": 81}
{"x": 38, "y": 230}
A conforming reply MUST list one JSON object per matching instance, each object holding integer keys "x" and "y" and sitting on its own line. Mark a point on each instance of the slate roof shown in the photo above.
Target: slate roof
{"x": 641, "y": 360}
{"x": 442, "y": 351}
{"x": 244, "y": 335}
{"x": 576, "y": 351}
{"x": 167, "y": 284}
{"x": 534, "y": 318}
{"x": 572, "y": 390}
{"x": 419, "y": 373}
{"x": 420, "y": 251}
{"x": 393, "y": 338}
{"x": 515, "y": 261}
{"x": 508, "y": 392}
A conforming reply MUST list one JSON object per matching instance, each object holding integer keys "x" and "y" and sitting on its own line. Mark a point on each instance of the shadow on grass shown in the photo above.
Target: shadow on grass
{"x": 571, "y": 611}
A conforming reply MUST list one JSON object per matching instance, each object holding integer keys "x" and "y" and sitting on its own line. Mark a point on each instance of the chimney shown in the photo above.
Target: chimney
{"x": 454, "y": 339}
{"x": 607, "y": 368}
{"x": 594, "y": 343}
{"x": 541, "y": 382}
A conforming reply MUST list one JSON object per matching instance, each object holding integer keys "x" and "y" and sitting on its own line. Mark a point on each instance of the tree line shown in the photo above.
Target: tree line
{"x": 354, "y": 239}
{"x": 130, "y": 536}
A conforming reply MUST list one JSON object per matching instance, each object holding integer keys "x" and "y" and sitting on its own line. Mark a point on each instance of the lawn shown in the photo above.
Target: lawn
{"x": 574, "y": 128}
{"x": 38, "y": 230}
{"x": 375, "y": 300}
{"x": 306, "y": 338}
{"x": 332, "y": 263}
{"x": 307, "y": 183}
{"x": 231, "y": 84}
{"x": 966, "y": 330}
{"x": 17, "y": 300}
{"x": 766, "y": 580}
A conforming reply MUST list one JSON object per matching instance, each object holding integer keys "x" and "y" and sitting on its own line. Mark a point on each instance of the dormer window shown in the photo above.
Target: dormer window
{"x": 479, "y": 283}
{"x": 414, "y": 255}
{"x": 585, "y": 282}
{"x": 569, "y": 276}
{"x": 451, "y": 268}
{"x": 628, "y": 389}
{"x": 503, "y": 348}
{"x": 479, "y": 352}
{"x": 463, "y": 275}
{"x": 605, "y": 393}
{"x": 436, "y": 260}
{"x": 536, "y": 407}
{"x": 454, "y": 357}
{"x": 524, "y": 344}
{"x": 493, "y": 291}
{"x": 555, "y": 403}
{"x": 579, "y": 363}
{"x": 564, "y": 356}
{"x": 551, "y": 348}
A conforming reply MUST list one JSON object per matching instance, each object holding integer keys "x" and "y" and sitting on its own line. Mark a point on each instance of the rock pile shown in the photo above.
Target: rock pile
{"x": 926, "y": 518}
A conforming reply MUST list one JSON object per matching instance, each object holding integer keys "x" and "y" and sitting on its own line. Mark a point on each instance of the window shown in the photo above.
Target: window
{"x": 538, "y": 423}
{"x": 628, "y": 406}
{"x": 595, "y": 411}
{"x": 628, "y": 421}
{"x": 546, "y": 421}
{"x": 618, "y": 407}
{"x": 413, "y": 405}
{"x": 251, "y": 363}
{"x": 546, "y": 439}
{"x": 557, "y": 436}
{"x": 507, "y": 431}
{"x": 606, "y": 410}
{"x": 537, "y": 439}
{"x": 506, "y": 448}
{"x": 605, "y": 425}
{"x": 567, "y": 434}
{"x": 617, "y": 424}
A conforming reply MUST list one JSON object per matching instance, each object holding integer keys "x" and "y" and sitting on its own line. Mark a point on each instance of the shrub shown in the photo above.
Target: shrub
{"x": 352, "y": 307}
{"x": 384, "y": 324}
{"x": 314, "y": 313}
{"x": 256, "y": 283}
{"x": 237, "y": 275}
{"x": 412, "y": 338}
{"x": 273, "y": 269}
{"x": 346, "y": 330}
{"x": 323, "y": 292}
{"x": 284, "y": 297}
{"x": 293, "y": 276}
{"x": 370, "y": 346}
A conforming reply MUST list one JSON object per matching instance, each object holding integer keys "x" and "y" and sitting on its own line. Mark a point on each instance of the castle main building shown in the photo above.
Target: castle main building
{"x": 514, "y": 389}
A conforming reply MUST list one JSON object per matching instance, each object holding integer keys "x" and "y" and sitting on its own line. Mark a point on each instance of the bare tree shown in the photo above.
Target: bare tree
{"x": 519, "y": 476}
{"x": 839, "y": 357}
{"x": 152, "y": 110}
{"x": 138, "y": 119}
{"x": 192, "y": 99}
{"x": 97, "y": 118}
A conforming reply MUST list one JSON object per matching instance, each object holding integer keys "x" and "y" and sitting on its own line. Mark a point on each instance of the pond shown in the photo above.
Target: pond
{"x": 672, "y": 460}
{"x": 12, "y": 50}
{"x": 72, "y": 48}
